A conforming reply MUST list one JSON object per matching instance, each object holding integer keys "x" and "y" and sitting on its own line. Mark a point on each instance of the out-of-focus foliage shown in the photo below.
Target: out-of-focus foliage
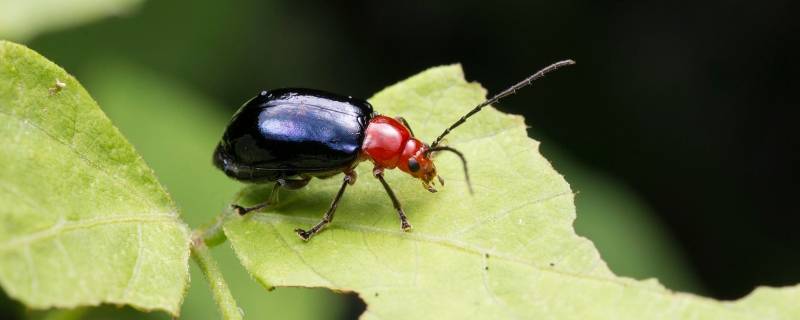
{"x": 23, "y": 19}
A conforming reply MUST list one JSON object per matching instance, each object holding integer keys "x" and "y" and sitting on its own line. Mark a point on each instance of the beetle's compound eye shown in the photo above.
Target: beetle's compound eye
{"x": 413, "y": 165}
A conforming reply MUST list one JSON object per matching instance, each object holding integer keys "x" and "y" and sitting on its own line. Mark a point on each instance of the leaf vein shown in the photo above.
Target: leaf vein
{"x": 70, "y": 265}
{"x": 374, "y": 255}
{"x": 32, "y": 268}
{"x": 302, "y": 259}
{"x": 136, "y": 266}
{"x": 116, "y": 179}
{"x": 504, "y": 213}
{"x": 485, "y": 278}
{"x": 65, "y": 227}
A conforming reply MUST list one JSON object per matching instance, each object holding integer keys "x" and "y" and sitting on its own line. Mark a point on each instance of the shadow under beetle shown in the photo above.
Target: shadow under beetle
{"x": 288, "y": 136}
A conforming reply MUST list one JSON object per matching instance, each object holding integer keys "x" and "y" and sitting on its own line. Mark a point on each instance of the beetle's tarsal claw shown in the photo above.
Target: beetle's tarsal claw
{"x": 441, "y": 180}
{"x": 406, "y": 226}
{"x": 238, "y": 209}
{"x": 305, "y": 235}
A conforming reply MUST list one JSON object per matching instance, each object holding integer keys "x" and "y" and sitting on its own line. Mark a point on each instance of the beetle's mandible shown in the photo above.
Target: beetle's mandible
{"x": 288, "y": 136}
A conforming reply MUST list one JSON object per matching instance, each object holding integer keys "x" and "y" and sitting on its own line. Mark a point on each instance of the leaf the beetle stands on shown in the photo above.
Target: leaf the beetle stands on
{"x": 508, "y": 252}
{"x": 83, "y": 220}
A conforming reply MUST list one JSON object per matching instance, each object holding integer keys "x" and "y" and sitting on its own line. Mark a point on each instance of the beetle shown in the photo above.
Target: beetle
{"x": 289, "y": 136}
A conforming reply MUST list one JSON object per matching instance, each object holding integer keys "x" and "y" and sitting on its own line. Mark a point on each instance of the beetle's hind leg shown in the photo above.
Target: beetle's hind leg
{"x": 271, "y": 200}
{"x": 273, "y": 196}
{"x": 349, "y": 178}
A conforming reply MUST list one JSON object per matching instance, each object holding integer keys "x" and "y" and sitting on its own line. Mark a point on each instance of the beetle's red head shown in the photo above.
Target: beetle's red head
{"x": 415, "y": 160}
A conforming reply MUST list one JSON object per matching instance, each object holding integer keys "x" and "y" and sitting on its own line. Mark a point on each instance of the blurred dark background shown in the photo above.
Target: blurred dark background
{"x": 690, "y": 108}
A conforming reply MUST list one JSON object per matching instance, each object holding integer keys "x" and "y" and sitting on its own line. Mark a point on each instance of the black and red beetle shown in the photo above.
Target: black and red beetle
{"x": 288, "y": 136}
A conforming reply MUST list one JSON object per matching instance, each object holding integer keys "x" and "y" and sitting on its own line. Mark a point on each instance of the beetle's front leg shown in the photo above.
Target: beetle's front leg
{"x": 405, "y": 123}
{"x": 378, "y": 173}
{"x": 349, "y": 178}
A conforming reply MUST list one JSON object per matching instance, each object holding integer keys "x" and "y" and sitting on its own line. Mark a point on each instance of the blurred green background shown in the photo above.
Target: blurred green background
{"x": 672, "y": 128}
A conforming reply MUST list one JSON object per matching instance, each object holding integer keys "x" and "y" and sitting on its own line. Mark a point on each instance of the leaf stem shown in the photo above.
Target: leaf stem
{"x": 212, "y": 235}
{"x": 219, "y": 288}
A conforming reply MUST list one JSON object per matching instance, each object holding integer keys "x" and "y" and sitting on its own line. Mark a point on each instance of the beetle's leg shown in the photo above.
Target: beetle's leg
{"x": 289, "y": 184}
{"x": 349, "y": 177}
{"x": 378, "y": 173}
{"x": 405, "y": 123}
{"x": 272, "y": 199}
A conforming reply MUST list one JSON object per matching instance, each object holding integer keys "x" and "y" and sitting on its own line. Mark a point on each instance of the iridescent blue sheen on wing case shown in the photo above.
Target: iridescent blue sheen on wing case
{"x": 285, "y": 133}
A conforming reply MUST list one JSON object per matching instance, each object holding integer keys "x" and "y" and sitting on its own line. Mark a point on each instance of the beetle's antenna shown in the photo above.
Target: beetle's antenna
{"x": 507, "y": 92}
{"x": 463, "y": 161}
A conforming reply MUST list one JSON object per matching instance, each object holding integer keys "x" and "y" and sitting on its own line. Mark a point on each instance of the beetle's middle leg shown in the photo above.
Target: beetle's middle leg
{"x": 349, "y": 178}
{"x": 273, "y": 196}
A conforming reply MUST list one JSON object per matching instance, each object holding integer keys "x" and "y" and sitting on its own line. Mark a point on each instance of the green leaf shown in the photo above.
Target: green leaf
{"x": 23, "y": 19}
{"x": 83, "y": 220}
{"x": 509, "y": 251}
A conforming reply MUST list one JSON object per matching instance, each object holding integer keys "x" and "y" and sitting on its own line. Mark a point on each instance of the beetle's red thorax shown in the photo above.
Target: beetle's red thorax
{"x": 384, "y": 141}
